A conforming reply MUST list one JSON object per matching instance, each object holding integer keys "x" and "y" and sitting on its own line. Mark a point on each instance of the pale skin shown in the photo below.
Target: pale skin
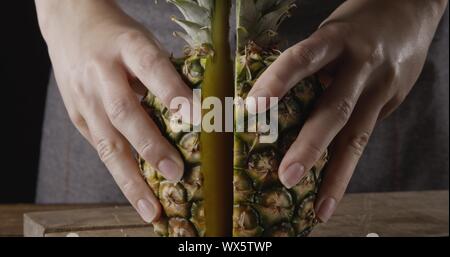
{"x": 374, "y": 51}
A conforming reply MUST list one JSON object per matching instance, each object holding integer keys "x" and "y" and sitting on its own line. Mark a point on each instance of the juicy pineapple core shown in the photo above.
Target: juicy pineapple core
{"x": 230, "y": 186}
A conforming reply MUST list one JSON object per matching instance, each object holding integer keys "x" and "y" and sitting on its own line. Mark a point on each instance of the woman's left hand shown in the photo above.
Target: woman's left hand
{"x": 374, "y": 51}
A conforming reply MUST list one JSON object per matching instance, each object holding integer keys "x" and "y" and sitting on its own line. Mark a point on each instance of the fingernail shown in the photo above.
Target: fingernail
{"x": 170, "y": 170}
{"x": 292, "y": 175}
{"x": 326, "y": 209}
{"x": 146, "y": 210}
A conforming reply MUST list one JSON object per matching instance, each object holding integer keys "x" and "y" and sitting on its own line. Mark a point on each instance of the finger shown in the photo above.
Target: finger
{"x": 332, "y": 112}
{"x": 81, "y": 125}
{"x": 77, "y": 119}
{"x": 295, "y": 64}
{"x": 74, "y": 115}
{"x": 116, "y": 153}
{"x": 152, "y": 66}
{"x": 127, "y": 115}
{"x": 347, "y": 150}
{"x": 391, "y": 106}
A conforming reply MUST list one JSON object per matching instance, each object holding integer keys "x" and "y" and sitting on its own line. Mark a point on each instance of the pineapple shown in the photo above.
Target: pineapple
{"x": 228, "y": 192}
{"x": 262, "y": 206}
{"x": 206, "y": 65}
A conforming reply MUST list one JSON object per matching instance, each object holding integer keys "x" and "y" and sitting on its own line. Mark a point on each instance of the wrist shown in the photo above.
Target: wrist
{"x": 54, "y": 15}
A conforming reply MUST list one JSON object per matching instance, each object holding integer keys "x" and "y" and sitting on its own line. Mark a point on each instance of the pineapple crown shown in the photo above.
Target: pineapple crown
{"x": 197, "y": 21}
{"x": 258, "y": 20}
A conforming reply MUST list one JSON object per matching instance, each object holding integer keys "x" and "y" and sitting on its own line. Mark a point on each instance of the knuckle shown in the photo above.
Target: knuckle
{"x": 147, "y": 150}
{"x": 359, "y": 142}
{"x": 149, "y": 58}
{"x": 130, "y": 37}
{"x": 119, "y": 109}
{"x": 302, "y": 55}
{"x": 339, "y": 186}
{"x": 277, "y": 83}
{"x": 130, "y": 187}
{"x": 368, "y": 53}
{"x": 79, "y": 91}
{"x": 166, "y": 94}
{"x": 313, "y": 150}
{"x": 93, "y": 66}
{"x": 343, "y": 109}
{"x": 82, "y": 76}
{"x": 376, "y": 56}
{"x": 77, "y": 120}
{"x": 108, "y": 149}
{"x": 338, "y": 30}
{"x": 145, "y": 51}
{"x": 95, "y": 60}
{"x": 398, "y": 99}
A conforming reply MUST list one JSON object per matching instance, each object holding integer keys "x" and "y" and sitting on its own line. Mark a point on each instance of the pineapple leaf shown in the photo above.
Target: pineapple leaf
{"x": 264, "y": 6}
{"x": 197, "y": 21}
{"x": 208, "y": 4}
{"x": 269, "y": 23}
{"x": 272, "y": 20}
{"x": 195, "y": 34}
{"x": 194, "y": 12}
{"x": 259, "y": 20}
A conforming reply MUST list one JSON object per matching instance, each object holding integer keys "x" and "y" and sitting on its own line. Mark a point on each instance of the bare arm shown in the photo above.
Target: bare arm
{"x": 96, "y": 50}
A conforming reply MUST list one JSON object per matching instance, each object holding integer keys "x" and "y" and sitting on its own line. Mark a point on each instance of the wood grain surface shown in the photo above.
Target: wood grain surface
{"x": 390, "y": 214}
{"x": 386, "y": 214}
{"x": 11, "y": 215}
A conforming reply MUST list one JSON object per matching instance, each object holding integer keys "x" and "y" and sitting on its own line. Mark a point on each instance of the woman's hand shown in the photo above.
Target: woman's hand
{"x": 374, "y": 51}
{"x": 97, "y": 51}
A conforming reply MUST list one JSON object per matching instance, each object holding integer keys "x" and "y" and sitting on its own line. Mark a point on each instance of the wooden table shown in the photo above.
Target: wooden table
{"x": 386, "y": 214}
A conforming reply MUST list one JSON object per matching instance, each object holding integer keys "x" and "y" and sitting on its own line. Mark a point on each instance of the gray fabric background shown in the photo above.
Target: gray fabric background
{"x": 408, "y": 151}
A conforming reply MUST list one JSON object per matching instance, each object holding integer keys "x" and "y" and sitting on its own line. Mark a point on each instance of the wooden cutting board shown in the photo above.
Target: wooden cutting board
{"x": 383, "y": 214}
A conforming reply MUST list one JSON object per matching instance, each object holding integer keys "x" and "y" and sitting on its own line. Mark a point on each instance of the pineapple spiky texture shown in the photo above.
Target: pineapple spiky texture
{"x": 183, "y": 206}
{"x": 260, "y": 205}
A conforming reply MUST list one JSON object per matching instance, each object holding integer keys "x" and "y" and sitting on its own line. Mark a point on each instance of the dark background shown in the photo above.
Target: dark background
{"x": 23, "y": 85}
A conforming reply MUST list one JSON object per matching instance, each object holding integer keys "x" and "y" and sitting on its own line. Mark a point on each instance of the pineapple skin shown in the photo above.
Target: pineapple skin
{"x": 182, "y": 202}
{"x": 262, "y": 205}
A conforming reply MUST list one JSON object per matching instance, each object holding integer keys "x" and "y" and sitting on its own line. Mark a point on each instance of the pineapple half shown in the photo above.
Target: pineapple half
{"x": 226, "y": 192}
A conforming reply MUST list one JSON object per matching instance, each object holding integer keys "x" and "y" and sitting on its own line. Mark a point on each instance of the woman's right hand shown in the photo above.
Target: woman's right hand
{"x": 96, "y": 50}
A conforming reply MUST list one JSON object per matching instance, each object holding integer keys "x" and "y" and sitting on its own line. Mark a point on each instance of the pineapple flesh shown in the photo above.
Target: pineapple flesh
{"x": 211, "y": 200}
